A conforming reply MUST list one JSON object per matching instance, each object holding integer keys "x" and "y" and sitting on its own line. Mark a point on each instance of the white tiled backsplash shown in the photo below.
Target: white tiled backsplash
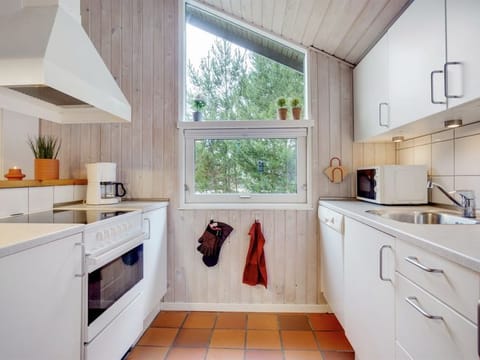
{"x": 452, "y": 158}
{"x": 28, "y": 200}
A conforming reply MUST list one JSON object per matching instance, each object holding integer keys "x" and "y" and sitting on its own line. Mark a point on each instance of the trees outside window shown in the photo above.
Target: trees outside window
{"x": 238, "y": 84}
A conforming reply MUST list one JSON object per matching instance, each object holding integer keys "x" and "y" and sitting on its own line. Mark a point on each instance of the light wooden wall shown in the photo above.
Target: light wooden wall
{"x": 139, "y": 41}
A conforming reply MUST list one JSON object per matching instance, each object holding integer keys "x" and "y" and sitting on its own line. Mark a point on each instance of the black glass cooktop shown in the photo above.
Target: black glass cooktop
{"x": 63, "y": 217}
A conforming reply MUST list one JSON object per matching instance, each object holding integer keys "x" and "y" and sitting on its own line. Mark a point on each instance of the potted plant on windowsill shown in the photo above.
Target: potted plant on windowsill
{"x": 45, "y": 148}
{"x": 198, "y": 104}
{"x": 296, "y": 108}
{"x": 282, "y": 108}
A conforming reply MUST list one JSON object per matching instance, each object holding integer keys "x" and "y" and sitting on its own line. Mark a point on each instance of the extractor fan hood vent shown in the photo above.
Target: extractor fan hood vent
{"x": 50, "y": 69}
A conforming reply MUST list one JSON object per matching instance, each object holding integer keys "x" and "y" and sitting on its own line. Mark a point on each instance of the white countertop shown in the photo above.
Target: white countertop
{"x": 143, "y": 205}
{"x": 18, "y": 237}
{"x": 458, "y": 243}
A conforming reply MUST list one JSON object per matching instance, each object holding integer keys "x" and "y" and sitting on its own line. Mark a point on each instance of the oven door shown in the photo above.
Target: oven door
{"x": 113, "y": 285}
{"x": 366, "y": 184}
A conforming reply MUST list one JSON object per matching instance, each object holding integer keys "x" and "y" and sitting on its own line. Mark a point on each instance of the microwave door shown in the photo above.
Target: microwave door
{"x": 366, "y": 184}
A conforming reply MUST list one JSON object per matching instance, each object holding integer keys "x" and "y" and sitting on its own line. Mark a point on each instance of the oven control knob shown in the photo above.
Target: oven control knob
{"x": 106, "y": 235}
{"x": 99, "y": 236}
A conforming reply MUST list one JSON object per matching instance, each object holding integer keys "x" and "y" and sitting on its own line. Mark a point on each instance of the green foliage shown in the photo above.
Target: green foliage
{"x": 45, "y": 146}
{"x": 240, "y": 85}
{"x": 281, "y": 102}
{"x": 294, "y": 102}
{"x": 198, "y": 104}
{"x": 232, "y": 166}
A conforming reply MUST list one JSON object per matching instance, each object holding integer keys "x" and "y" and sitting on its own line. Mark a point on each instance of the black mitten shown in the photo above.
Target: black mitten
{"x": 209, "y": 240}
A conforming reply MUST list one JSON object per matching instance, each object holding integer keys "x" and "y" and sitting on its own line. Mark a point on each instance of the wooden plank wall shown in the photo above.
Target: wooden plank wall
{"x": 139, "y": 41}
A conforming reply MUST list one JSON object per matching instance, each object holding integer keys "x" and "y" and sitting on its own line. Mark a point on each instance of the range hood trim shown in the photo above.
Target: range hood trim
{"x": 65, "y": 60}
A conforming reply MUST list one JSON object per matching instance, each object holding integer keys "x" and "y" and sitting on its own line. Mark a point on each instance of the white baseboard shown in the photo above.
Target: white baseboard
{"x": 284, "y": 308}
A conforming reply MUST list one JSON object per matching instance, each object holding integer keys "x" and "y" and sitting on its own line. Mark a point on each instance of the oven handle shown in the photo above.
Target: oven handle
{"x": 96, "y": 261}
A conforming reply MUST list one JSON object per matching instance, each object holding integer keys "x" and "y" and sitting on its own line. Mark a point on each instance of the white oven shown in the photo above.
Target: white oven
{"x": 113, "y": 289}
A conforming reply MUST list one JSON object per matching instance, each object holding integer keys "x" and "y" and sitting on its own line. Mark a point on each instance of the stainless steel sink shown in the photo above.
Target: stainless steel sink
{"x": 424, "y": 217}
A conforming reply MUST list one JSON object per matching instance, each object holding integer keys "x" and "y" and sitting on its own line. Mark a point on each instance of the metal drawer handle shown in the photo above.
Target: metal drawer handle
{"x": 380, "y": 262}
{"x": 432, "y": 74}
{"x": 82, "y": 271}
{"x": 414, "y": 261}
{"x": 445, "y": 79}
{"x": 380, "y": 123}
{"x": 411, "y": 299}
{"x": 147, "y": 235}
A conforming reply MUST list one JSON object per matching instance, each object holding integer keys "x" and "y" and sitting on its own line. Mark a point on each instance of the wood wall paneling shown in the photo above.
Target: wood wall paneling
{"x": 139, "y": 41}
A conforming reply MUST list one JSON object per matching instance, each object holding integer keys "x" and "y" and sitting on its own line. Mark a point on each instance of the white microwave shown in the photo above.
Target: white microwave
{"x": 393, "y": 184}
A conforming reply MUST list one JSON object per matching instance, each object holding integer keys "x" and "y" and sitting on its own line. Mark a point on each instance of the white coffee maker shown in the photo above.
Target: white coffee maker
{"x": 103, "y": 187}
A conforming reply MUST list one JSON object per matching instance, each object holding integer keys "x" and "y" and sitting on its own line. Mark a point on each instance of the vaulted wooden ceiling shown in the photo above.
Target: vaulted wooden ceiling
{"x": 345, "y": 29}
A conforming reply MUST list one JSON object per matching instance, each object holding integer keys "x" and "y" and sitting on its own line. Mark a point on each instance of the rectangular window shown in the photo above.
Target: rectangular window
{"x": 235, "y": 150}
{"x": 261, "y": 166}
{"x": 235, "y": 73}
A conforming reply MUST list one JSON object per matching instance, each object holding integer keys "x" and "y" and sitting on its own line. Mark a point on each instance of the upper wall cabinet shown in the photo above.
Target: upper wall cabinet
{"x": 416, "y": 50}
{"x": 431, "y": 67}
{"x": 463, "y": 52}
{"x": 371, "y": 102}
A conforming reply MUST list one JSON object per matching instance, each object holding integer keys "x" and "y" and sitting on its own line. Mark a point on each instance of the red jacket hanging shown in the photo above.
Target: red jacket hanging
{"x": 255, "y": 271}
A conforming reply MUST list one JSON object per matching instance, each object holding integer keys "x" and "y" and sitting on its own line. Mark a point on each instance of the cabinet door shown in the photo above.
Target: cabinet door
{"x": 332, "y": 260}
{"x": 370, "y": 86}
{"x": 155, "y": 261}
{"x": 463, "y": 32}
{"x": 369, "y": 300}
{"x": 416, "y": 48}
{"x": 41, "y": 302}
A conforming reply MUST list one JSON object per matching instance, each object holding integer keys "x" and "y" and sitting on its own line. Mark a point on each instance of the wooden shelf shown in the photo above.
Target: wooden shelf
{"x": 35, "y": 183}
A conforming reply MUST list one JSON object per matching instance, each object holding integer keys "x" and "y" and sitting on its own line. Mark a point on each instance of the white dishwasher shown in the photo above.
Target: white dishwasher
{"x": 331, "y": 237}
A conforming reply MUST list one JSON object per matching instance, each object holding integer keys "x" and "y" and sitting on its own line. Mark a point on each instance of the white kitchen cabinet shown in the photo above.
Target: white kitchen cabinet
{"x": 370, "y": 87}
{"x": 155, "y": 261}
{"x": 331, "y": 237}
{"x": 416, "y": 47}
{"x": 440, "y": 288}
{"x": 369, "y": 291}
{"x": 41, "y": 301}
{"x": 428, "y": 329}
{"x": 463, "y": 32}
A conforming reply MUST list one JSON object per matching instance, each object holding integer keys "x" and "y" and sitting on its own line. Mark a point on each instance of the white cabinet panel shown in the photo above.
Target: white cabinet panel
{"x": 155, "y": 261}
{"x": 13, "y": 201}
{"x": 455, "y": 285}
{"x": 463, "y": 32}
{"x": 370, "y": 87}
{"x": 369, "y": 300}
{"x": 448, "y": 337}
{"x": 41, "y": 302}
{"x": 416, "y": 48}
{"x": 63, "y": 193}
{"x": 40, "y": 198}
{"x": 331, "y": 236}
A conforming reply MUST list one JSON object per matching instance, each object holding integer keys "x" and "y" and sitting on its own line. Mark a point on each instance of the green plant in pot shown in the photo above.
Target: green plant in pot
{"x": 282, "y": 108}
{"x": 45, "y": 148}
{"x": 198, "y": 104}
{"x": 296, "y": 108}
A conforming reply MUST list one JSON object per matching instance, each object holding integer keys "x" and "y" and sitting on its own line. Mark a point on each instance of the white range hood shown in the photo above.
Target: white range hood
{"x": 50, "y": 69}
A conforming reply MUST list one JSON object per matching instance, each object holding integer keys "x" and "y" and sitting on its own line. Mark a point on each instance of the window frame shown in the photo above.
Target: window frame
{"x": 248, "y": 128}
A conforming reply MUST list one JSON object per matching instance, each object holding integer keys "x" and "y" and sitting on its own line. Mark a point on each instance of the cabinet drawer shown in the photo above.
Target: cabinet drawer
{"x": 451, "y": 337}
{"x": 331, "y": 218}
{"x": 455, "y": 285}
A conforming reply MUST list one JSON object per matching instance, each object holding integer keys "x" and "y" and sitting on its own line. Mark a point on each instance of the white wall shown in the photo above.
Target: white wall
{"x": 452, "y": 157}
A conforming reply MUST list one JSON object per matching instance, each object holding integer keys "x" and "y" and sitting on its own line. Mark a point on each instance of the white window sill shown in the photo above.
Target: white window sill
{"x": 245, "y": 124}
{"x": 250, "y": 206}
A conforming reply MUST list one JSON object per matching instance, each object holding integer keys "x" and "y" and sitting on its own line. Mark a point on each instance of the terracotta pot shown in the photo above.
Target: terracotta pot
{"x": 282, "y": 113}
{"x": 296, "y": 111}
{"x": 46, "y": 169}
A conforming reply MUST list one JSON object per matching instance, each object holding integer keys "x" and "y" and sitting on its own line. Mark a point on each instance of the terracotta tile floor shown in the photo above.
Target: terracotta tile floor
{"x": 244, "y": 336}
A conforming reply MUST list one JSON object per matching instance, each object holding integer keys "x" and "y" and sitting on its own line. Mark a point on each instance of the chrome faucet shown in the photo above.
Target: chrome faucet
{"x": 467, "y": 197}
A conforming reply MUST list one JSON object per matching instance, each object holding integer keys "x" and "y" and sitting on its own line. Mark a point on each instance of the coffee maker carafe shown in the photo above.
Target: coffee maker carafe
{"x": 103, "y": 187}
